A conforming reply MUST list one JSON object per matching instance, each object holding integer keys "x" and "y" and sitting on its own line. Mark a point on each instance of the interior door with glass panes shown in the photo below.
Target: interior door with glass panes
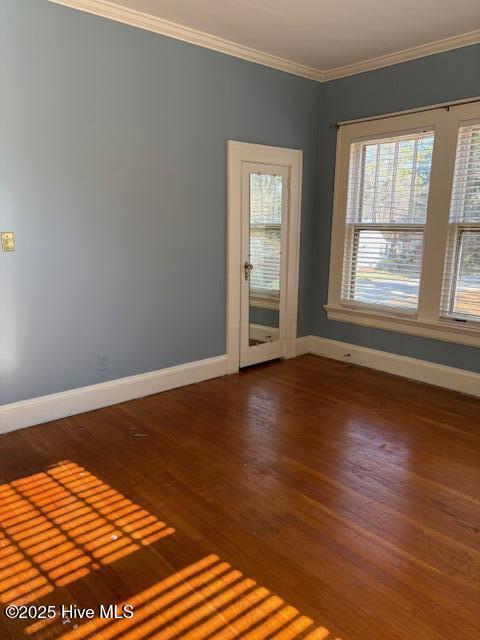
{"x": 265, "y": 203}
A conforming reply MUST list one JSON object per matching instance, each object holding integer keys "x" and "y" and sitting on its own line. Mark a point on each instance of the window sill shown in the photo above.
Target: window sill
{"x": 264, "y": 302}
{"x": 446, "y": 330}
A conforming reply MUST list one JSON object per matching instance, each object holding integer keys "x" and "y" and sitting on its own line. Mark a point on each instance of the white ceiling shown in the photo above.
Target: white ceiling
{"x": 323, "y": 34}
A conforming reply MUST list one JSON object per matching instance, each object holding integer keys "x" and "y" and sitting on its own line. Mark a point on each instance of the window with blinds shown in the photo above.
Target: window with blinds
{"x": 405, "y": 252}
{"x": 388, "y": 187}
{"x": 265, "y": 233}
{"x": 461, "y": 287}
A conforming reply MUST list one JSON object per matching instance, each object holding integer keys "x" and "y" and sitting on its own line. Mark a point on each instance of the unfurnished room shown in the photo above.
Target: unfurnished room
{"x": 239, "y": 320}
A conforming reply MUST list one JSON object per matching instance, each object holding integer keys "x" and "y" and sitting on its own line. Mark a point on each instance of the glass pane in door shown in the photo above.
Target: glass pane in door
{"x": 266, "y": 197}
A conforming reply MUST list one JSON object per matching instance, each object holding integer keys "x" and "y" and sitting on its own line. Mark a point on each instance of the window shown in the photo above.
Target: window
{"x": 386, "y": 213}
{"x": 406, "y": 229}
{"x": 265, "y": 233}
{"x": 461, "y": 293}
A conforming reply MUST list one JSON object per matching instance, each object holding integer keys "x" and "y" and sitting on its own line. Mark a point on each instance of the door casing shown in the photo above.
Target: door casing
{"x": 239, "y": 153}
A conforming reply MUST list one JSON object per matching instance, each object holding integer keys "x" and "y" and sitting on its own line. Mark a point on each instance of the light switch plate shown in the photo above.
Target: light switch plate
{"x": 8, "y": 241}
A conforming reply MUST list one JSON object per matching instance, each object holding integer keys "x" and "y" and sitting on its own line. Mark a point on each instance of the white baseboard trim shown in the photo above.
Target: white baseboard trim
{"x": 60, "y": 405}
{"x": 67, "y": 403}
{"x": 303, "y": 345}
{"x": 413, "y": 368}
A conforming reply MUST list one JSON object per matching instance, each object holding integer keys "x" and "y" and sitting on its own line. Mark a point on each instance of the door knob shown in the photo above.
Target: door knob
{"x": 247, "y": 267}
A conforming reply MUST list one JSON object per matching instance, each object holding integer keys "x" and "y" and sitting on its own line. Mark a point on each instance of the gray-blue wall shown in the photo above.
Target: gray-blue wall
{"x": 113, "y": 176}
{"x": 443, "y": 77}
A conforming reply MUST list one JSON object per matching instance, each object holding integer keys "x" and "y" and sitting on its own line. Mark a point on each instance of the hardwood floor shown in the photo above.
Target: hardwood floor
{"x": 298, "y": 499}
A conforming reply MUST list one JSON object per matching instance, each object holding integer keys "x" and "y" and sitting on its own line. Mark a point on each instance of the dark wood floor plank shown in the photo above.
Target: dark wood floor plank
{"x": 322, "y": 499}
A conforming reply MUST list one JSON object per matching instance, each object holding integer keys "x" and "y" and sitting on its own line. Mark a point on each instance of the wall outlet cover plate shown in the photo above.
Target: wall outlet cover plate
{"x": 8, "y": 241}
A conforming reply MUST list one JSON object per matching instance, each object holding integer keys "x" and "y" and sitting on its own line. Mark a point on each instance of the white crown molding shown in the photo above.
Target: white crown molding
{"x": 134, "y": 18}
{"x": 420, "y": 51}
{"x": 68, "y": 403}
{"x": 125, "y": 15}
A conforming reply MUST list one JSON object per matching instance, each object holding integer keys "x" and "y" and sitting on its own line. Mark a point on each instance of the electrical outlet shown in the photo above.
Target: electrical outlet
{"x": 102, "y": 363}
{"x": 347, "y": 358}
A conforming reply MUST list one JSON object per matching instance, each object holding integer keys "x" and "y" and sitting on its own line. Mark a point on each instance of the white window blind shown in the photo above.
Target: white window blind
{"x": 265, "y": 233}
{"x": 388, "y": 187}
{"x": 461, "y": 288}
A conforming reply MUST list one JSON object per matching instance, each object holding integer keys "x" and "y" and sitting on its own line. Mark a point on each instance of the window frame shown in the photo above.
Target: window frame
{"x": 428, "y": 320}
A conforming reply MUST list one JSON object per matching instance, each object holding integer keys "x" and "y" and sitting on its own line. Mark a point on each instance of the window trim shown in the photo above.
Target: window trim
{"x": 427, "y": 321}
{"x": 265, "y": 301}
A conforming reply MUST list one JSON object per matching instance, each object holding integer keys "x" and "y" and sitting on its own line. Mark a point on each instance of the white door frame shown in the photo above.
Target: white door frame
{"x": 237, "y": 154}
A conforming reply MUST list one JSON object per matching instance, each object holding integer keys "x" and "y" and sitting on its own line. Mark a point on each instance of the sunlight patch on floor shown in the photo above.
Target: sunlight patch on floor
{"x": 59, "y": 525}
{"x": 208, "y": 599}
